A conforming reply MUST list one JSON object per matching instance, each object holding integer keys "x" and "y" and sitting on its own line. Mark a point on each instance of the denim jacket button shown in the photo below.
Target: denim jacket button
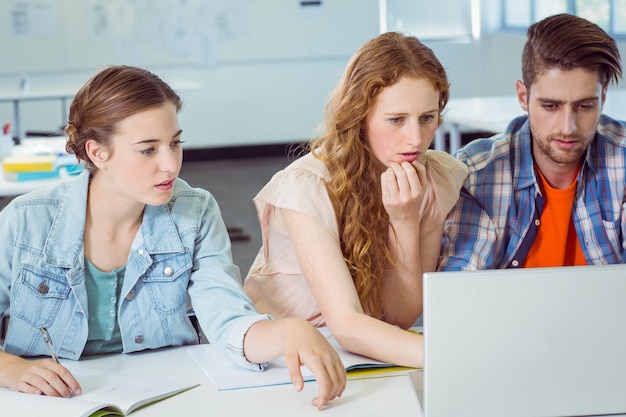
{"x": 43, "y": 289}
{"x": 138, "y": 339}
{"x": 130, "y": 296}
{"x": 168, "y": 271}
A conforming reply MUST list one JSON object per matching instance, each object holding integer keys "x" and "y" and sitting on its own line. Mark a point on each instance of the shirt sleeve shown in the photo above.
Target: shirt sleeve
{"x": 224, "y": 311}
{"x": 445, "y": 176}
{"x": 470, "y": 239}
{"x": 300, "y": 190}
{"x": 8, "y": 222}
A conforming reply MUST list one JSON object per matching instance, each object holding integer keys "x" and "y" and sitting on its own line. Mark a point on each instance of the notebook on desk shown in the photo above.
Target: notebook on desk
{"x": 524, "y": 342}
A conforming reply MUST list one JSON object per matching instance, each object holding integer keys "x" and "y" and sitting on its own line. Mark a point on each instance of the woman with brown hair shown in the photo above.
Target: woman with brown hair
{"x": 105, "y": 262}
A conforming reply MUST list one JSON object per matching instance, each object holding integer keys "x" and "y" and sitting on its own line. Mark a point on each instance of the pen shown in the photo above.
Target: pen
{"x": 48, "y": 341}
{"x": 5, "y": 128}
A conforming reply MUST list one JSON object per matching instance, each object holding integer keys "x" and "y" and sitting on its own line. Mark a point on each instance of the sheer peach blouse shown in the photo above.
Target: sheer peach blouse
{"x": 275, "y": 282}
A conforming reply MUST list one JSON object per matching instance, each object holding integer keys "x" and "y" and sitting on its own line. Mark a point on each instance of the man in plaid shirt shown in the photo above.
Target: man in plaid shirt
{"x": 550, "y": 190}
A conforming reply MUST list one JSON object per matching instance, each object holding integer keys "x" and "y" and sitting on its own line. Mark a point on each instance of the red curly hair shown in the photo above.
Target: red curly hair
{"x": 354, "y": 187}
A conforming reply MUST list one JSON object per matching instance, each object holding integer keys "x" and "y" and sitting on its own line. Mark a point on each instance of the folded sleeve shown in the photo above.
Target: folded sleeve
{"x": 300, "y": 187}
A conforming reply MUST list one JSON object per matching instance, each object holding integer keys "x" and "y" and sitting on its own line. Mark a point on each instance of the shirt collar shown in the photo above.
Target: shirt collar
{"x": 158, "y": 232}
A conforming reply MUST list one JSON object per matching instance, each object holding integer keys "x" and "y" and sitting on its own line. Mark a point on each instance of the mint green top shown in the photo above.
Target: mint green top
{"x": 103, "y": 294}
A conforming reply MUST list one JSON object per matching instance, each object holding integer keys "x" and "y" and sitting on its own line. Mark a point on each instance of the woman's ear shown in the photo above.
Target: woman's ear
{"x": 97, "y": 153}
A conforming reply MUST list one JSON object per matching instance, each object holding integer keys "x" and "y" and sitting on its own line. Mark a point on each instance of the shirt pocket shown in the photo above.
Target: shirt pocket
{"x": 166, "y": 282}
{"x": 38, "y": 295}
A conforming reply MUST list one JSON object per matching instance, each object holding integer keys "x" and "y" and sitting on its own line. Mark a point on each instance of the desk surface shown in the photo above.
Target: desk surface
{"x": 373, "y": 397}
{"x": 493, "y": 113}
{"x": 390, "y": 396}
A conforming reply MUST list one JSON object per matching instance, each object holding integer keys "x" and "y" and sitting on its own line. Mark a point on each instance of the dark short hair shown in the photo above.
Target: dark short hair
{"x": 566, "y": 42}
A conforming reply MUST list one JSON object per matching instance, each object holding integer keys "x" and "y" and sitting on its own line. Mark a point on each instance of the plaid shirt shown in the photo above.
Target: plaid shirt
{"x": 495, "y": 220}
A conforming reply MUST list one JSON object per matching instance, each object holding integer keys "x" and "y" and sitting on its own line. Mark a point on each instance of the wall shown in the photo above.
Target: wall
{"x": 266, "y": 67}
{"x": 265, "y": 75}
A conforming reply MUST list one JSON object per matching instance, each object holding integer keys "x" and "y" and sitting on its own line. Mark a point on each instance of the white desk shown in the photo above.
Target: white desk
{"x": 61, "y": 92}
{"x": 493, "y": 114}
{"x": 393, "y": 396}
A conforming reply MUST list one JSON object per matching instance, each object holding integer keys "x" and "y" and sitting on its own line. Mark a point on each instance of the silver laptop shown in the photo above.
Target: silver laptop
{"x": 528, "y": 342}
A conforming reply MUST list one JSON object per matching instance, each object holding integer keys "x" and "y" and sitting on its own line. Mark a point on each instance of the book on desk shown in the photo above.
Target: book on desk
{"x": 104, "y": 394}
{"x": 225, "y": 375}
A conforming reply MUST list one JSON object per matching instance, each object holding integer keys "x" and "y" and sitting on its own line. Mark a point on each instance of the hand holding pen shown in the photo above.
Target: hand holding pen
{"x": 37, "y": 376}
{"x": 61, "y": 383}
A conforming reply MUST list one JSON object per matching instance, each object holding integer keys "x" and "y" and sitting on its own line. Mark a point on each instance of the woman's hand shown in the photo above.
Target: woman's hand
{"x": 42, "y": 377}
{"x": 301, "y": 344}
{"x": 305, "y": 345}
{"x": 402, "y": 191}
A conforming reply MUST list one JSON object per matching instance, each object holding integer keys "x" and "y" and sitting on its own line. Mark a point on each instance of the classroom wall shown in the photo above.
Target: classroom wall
{"x": 265, "y": 68}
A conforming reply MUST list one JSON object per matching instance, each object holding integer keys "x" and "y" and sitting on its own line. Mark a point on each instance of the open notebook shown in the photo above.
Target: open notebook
{"x": 225, "y": 375}
{"x": 103, "y": 395}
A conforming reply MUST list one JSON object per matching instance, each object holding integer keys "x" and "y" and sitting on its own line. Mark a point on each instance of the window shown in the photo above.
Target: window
{"x": 451, "y": 19}
{"x": 610, "y": 15}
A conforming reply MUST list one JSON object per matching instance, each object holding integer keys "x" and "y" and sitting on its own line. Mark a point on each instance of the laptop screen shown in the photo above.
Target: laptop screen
{"x": 525, "y": 342}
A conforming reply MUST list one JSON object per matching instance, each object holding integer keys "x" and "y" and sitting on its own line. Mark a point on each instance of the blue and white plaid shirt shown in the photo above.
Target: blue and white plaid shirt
{"x": 495, "y": 220}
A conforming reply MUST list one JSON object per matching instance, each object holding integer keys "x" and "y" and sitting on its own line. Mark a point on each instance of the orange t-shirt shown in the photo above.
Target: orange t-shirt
{"x": 556, "y": 243}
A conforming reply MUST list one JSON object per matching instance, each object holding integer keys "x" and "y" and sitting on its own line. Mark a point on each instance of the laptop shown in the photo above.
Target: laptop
{"x": 526, "y": 342}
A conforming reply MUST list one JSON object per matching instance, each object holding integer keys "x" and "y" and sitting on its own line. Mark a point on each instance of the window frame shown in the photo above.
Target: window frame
{"x": 570, "y": 8}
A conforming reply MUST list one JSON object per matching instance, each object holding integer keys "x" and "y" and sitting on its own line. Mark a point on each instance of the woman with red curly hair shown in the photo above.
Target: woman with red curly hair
{"x": 349, "y": 228}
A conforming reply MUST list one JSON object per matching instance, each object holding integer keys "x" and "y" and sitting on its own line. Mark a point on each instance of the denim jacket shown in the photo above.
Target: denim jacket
{"x": 182, "y": 248}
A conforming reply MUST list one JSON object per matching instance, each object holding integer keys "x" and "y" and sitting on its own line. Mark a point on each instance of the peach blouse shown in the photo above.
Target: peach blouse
{"x": 275, "y": 282}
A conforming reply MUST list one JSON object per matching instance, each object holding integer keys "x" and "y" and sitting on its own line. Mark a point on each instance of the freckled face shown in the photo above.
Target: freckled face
{"x": 402, "y": 123}
{"x": 146, "y": 155}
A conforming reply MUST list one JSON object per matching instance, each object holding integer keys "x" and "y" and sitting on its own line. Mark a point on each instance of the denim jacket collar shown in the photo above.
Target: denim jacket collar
{"x": 64, "y": 244}
{"x": 65, "y": 240}
{"x": 158, "y": 231}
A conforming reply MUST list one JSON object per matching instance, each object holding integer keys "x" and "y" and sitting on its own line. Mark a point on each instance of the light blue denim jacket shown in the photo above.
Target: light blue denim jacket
{"x": 182, "y": 247}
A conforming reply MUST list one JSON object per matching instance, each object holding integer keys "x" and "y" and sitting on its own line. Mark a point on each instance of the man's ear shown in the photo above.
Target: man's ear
{"x": 97, "y": 153}
{"x": 522, "y": 94}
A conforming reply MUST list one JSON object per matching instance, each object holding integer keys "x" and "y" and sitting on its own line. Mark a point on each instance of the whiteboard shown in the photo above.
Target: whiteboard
{"x": 43, "y": 36}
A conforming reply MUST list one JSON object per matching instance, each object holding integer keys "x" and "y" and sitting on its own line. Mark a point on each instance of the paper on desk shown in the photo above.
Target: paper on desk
{"x": 225, "y": 375}
{"x": 127, "y": 392}
{"x": 111, "y": 394}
